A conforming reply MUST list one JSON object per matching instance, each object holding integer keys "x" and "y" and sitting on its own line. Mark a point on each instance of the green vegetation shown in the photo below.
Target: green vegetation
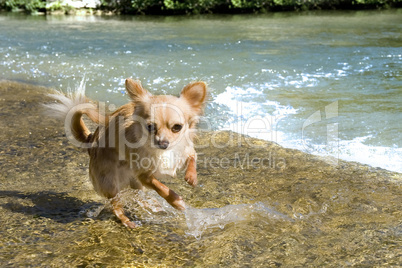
{"x": 237, "y": 6}
{"x": 168, "y": 7}
{"x": 30, "y": 6}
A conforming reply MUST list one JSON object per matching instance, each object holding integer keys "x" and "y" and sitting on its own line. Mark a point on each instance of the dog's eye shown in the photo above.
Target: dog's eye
{"x": 176, "y": 128}
{"x": 151, "y": 127}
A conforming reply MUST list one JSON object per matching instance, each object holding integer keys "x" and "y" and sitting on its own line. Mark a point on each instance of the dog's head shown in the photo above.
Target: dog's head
{"x": 167, "y": 119}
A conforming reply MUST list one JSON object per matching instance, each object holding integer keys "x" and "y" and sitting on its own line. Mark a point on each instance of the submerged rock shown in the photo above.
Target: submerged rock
{"x": 257, "y": 204}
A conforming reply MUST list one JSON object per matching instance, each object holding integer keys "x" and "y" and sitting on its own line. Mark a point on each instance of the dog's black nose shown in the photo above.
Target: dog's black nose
{"x": 163, "y": 144}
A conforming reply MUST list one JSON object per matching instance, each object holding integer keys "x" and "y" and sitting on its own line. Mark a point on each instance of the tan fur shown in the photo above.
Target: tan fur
{"x": 123, "y": 138}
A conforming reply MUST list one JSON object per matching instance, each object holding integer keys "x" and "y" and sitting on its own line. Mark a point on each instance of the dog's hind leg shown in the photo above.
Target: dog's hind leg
{"x": 119, "y": 212}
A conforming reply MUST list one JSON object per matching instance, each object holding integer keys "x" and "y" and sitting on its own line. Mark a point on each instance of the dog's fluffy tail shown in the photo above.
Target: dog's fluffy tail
{"x": 71, "y": 107}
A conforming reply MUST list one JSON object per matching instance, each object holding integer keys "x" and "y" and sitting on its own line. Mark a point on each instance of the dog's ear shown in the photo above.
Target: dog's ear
{"x": 135, "y": 90}
{"x": 195, "y": 93}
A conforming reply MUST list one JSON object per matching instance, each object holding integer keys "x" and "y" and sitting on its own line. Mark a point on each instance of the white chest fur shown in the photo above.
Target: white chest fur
{"x": 170, "y": 161}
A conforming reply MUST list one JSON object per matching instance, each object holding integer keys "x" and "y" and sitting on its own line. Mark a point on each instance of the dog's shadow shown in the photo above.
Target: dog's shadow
{"x": 59, "y": 207}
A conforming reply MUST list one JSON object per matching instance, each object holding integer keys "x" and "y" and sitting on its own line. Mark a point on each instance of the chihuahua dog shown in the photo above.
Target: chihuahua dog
{"x": 143, "y": 140}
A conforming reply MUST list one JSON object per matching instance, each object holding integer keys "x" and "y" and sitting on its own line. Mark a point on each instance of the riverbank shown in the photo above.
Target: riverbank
{"x": 257, "y": 203}
{"x": 169, "y": 7}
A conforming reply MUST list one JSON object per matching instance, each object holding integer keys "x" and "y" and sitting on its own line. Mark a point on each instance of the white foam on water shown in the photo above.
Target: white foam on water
{"x": 355, "y": 150}
{"x": 389, "y": 158}
{"x": 249, "y": 113}
{"x": 251, "y": 118}
{"x": 245, "y": 102}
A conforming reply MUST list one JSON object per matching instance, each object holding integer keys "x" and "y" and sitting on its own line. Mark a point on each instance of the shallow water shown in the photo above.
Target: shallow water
{"x": 268, "y": 74}
{"x": 290, "y": 209}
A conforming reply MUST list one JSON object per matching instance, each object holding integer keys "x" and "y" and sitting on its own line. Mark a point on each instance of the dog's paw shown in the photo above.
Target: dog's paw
{"x": 179, "y": 204}
{"x": 191, "y": 178}
{"x": 130, "y": 224}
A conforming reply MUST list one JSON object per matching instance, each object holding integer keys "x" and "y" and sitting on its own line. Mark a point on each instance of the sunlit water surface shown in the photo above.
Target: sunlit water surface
{"x": 328, "y": 83}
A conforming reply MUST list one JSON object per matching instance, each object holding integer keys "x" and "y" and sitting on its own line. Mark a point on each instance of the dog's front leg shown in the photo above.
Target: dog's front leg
{"x": 169, "y": 195}
{"x": 191, "y": 172}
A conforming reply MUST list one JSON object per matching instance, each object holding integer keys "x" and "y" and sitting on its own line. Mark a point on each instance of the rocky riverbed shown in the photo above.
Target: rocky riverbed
{"x": 257, "y": 204}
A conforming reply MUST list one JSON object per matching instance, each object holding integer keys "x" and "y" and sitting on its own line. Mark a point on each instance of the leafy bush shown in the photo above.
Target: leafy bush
{"x": 29, "y": 6}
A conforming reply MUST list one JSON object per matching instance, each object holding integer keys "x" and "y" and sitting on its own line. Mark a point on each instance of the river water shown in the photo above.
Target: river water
{"x": 328, "y": 83}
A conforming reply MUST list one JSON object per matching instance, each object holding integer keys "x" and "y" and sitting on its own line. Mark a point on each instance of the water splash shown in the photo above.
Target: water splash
{"x": 148, "y": 207}
{"x": 94, "y": 211}
{"x": 200, "y": 220}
